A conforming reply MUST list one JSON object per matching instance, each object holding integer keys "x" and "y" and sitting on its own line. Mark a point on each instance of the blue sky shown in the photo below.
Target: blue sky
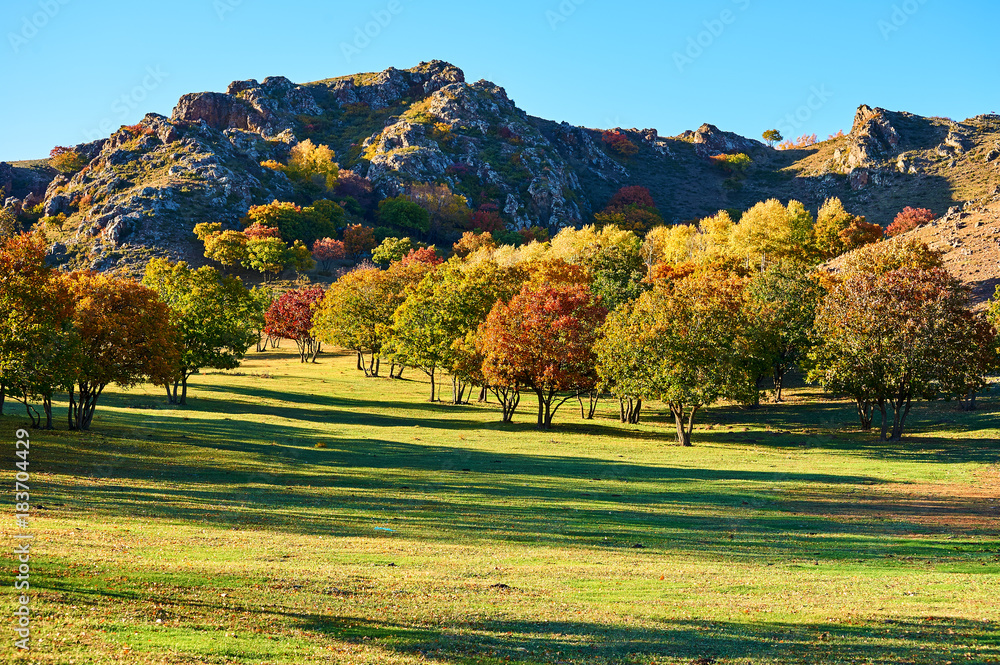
{"x": 70, "y": 67}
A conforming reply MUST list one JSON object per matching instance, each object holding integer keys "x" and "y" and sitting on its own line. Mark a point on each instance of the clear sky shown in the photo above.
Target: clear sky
{"x": 71, "y": 67}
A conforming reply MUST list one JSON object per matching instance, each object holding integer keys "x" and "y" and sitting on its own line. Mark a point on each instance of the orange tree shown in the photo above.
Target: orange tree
{"x": 889, "y": 339}
{"x": 39, "y": 350}
{"x": 679, "y": 343}
{"x": 543, "y": 341}
{"x": 126, "y": 336}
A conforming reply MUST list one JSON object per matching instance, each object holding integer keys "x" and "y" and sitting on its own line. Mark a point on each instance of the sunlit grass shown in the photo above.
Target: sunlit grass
{"x": 297, "y": 514}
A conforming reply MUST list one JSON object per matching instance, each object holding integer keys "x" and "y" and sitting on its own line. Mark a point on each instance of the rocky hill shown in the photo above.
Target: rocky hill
{"x": 146, "y": 186}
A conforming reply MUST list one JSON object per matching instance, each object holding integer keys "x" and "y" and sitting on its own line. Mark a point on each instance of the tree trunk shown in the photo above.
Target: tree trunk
{"x": 184, "y": 390}
{"x": 684, "y": 429}
{"x": 900, "y": 410}
{"x": 509, "y": 399}
{"x": 430, "y": 373}
{"x": 47, "y": 407}
{"x": 33, "y": 415}
{"x": 885, "y": 420}
{"x": 866, "y": 413}
{"x": 378, "y": 365}
{"x": 484, "y": 395}
{"x": 3, "y": 396}
{"x": 361, "y": 367}
{"x": 779, "y": 384}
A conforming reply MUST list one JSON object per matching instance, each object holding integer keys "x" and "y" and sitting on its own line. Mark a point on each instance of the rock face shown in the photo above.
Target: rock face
{"x": 874, "y": 140}
{"x": 709, "y": 141}
{"x": 147, "y": 186}
{"x": 263, "y": 109}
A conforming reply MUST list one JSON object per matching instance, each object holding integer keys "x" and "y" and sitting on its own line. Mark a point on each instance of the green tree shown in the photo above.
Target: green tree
{"x": 679, "y": 344}
{"x": 392, "y": 250}
{"x": 772, "y": 137}
{"x": 268, "y": 256}
{"x": 217, "y": 319}
{"x": 402, "y": 214}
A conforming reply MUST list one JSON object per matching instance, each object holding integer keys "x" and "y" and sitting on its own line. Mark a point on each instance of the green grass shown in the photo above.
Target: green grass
{"x": 221, "y": 533}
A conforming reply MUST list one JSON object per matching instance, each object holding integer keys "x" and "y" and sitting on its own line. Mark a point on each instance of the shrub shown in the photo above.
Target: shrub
{"x": 66, "y": 160}
{"x": 618, "y": 143}
{"x": 909, "y": 219}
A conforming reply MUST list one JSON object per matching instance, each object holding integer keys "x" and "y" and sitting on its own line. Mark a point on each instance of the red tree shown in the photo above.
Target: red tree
{"x": 543, "y": 340}
{"x": 909, "y": 219}
{"x": 290, "y": 317}
{"x": 358, "y": 240}
{"x": 618, "y": 143}
{"x": 632, "y": 195}
{"x": 427, "y": 256}
{"x": 487, "y": 219}
{"x": 327, "y": 250}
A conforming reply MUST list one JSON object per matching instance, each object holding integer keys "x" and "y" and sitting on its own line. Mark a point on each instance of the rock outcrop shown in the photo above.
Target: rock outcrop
{"x": 709, "y": 141}
{"x": 874, "y": 140}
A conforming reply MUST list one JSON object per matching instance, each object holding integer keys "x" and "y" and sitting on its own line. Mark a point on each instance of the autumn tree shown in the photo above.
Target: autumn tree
{"x": 358, "y": 240}
{"x": 39, "y": 349}
{"x": 542, "y": 340}
{"x": 631, "y": 208}
{"x": 909, "y": 219}
{"x": 889, "y": 339}
{"x": 677, "y": 344}
{"x": 773, "y": 136}
{"x": 328, "y": 250}
{"x": 357, "y": 311}
{"x": 216, "y": 318}
{"x": 618, "y": 143}
{"x": 312, "y": 167}
{"x": 448, "y": 211}
{"x": 127, "y": 338}
{"x": 67, "y": 160}
{"x": 838, "y": 231}
{"x": 291, "y": 316}
{"x": 320, "y": 220}
{"x": 487, "y": 219}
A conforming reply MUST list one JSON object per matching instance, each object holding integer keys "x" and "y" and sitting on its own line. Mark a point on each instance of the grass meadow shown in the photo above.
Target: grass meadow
{"x": 304, "y": 514}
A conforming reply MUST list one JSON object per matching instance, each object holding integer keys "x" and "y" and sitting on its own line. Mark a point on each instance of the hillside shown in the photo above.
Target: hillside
{"x": 146, "y": 186}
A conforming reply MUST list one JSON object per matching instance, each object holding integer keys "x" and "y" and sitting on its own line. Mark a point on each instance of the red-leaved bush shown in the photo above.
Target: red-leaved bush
{"x": 909, "y": 219}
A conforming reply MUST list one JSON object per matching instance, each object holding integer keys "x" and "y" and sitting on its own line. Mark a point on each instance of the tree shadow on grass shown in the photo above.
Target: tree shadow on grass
{"x": 925, "y": 640}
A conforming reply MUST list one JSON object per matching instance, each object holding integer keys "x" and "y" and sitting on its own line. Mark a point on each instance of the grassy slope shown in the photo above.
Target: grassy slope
{"x": 221, "y": 533}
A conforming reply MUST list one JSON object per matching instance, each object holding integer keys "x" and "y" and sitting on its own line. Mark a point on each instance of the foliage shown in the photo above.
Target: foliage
{"x": 67, "y": 160}
{"x": 909, "y": 219}
{"x": 9, "y": 226}
{"x": 542, "y": 340}
{"x": 310, "y": 166}
{"x": 678, "y": 343}
{"x": 889, "y": 339}
{"x": 402, "y": 214}
{"x": 328, "y": 250}
{"x": 771, "y": 232}
{"x": 803, "y": 141}
{"x": 268, "y": 256}
{"x": 448, "y": 211}
{"x": 39, "y": 350}
{"x": 773, "y": 136}
{"x": 392, "y": 250}
{"x": 321, "y": 220}
{"x": 291, "y": 317}
{"x": 894, "y": 254}
{"x": 838, "y": 231}
{"x": 733, "y": 164}
{"x": 632, "y": 209}
{"x": 619, "y": 143}
{"x": 487, "y": 219}
{"x": 127, "y": 337}
{"x": 472, "y": 242}
{"x": 217, "y": 319}
{"x": 358, "y": 240}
